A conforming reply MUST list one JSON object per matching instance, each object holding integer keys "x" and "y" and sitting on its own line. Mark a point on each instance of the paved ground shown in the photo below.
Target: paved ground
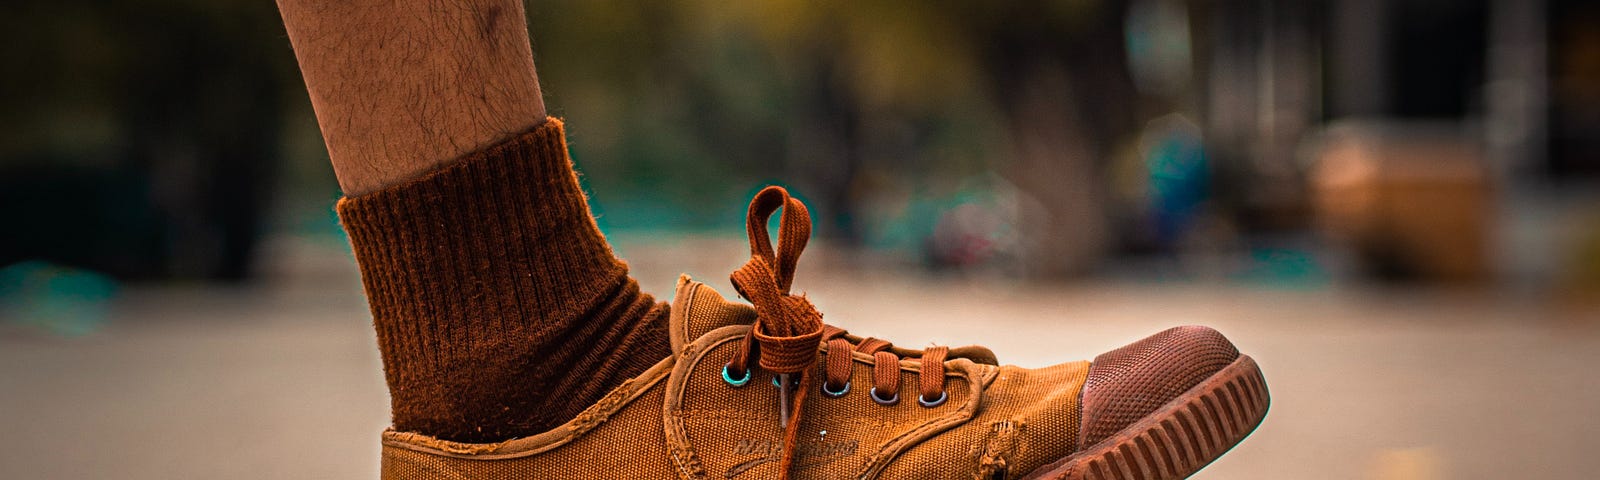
{"x": 282, "y": 380}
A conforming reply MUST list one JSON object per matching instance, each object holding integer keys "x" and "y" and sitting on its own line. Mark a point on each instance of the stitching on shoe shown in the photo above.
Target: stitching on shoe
{"x": 682, "y": 452}
{"x": 900, "y": 443}
{"x": 679, "y": 316}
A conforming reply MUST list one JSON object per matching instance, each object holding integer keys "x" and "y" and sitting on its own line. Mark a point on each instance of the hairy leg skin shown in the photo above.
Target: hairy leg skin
{"x": 401, "y": 88}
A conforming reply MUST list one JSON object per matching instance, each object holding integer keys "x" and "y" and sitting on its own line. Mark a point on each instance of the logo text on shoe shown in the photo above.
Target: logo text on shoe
{"x": 806, "y": 454}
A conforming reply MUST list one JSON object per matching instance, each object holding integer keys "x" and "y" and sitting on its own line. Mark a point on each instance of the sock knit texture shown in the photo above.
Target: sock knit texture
{"x": 500, "y": 309}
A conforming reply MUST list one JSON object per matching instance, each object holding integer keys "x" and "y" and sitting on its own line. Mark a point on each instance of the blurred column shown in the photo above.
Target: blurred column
{"x": 1516, "y": 102}
{"x": 1261, "y": 94}
{"x": 1518, "y": 88}
{"x": 1359, "y": 63}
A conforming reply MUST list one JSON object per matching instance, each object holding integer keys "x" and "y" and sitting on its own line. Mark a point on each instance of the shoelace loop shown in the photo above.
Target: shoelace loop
{"x": 788, "y": 328}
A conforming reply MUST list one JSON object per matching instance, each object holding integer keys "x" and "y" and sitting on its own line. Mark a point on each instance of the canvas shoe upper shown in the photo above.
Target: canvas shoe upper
{"x": 859, "y": 407}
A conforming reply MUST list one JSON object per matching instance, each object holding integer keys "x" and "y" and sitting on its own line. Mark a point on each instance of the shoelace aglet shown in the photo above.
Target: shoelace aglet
{"x": 784, "y": 391}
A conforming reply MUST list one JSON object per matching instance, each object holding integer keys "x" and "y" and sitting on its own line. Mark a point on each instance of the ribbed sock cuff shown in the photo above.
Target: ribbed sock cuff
{"x": 489, "y": 239}
{"x": 489, "y": 282}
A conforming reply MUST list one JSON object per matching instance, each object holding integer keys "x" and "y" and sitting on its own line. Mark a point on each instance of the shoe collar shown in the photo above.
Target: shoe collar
{"x": 698, "y": 309}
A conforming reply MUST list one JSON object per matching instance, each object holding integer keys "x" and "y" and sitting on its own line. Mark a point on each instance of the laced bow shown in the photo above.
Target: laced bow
{"x": 788, "y": 329}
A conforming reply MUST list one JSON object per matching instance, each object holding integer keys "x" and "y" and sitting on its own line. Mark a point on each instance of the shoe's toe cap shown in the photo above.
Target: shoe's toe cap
{"x": 1131, "y": 382}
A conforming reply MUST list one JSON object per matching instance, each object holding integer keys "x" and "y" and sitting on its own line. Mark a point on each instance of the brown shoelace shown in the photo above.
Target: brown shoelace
{"x": 788, "y": 329}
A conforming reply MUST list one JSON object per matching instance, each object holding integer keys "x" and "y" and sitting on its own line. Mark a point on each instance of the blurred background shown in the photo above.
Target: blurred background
{"x": 1390, "y": 204}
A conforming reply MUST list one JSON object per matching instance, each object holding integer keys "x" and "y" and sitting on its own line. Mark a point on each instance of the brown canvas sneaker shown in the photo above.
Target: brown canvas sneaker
{"x": 769, "y": 391}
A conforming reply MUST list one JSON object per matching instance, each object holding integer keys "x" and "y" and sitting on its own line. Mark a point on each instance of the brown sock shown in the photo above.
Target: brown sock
{"x": 500, "y": 309}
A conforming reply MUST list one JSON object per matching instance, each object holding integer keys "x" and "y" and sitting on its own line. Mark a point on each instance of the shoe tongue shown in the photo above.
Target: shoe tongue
{"x": 697, "y": 308}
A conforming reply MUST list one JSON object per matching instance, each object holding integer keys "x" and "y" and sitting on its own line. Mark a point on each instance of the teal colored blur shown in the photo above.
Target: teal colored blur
{"x": 61, "y": 300}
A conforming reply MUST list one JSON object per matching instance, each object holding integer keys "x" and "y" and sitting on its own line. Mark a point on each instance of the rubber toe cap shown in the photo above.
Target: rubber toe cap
{"x": 1131, "y": 382}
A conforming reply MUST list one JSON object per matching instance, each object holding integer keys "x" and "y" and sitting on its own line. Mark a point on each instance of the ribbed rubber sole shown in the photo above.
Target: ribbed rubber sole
{"x": 1184, "y": 436}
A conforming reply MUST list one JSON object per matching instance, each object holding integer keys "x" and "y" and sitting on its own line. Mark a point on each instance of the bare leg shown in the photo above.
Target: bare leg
{"x": 401, "y": 88}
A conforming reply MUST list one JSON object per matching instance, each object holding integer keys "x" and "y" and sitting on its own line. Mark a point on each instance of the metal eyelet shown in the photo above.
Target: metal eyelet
{"x": 936, "y": 402}
{"x": 795, "y": 380}
{"x": 835, "y": 394}
{"x": 727, "y": 376}
{"x": 887, "y": 402}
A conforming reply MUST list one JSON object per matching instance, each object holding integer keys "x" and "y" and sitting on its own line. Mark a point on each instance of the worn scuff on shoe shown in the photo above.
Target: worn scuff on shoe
{"x": 994, "y": 454}
{"x": 602, "y": 410}
{"x": 446, "y": 445}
